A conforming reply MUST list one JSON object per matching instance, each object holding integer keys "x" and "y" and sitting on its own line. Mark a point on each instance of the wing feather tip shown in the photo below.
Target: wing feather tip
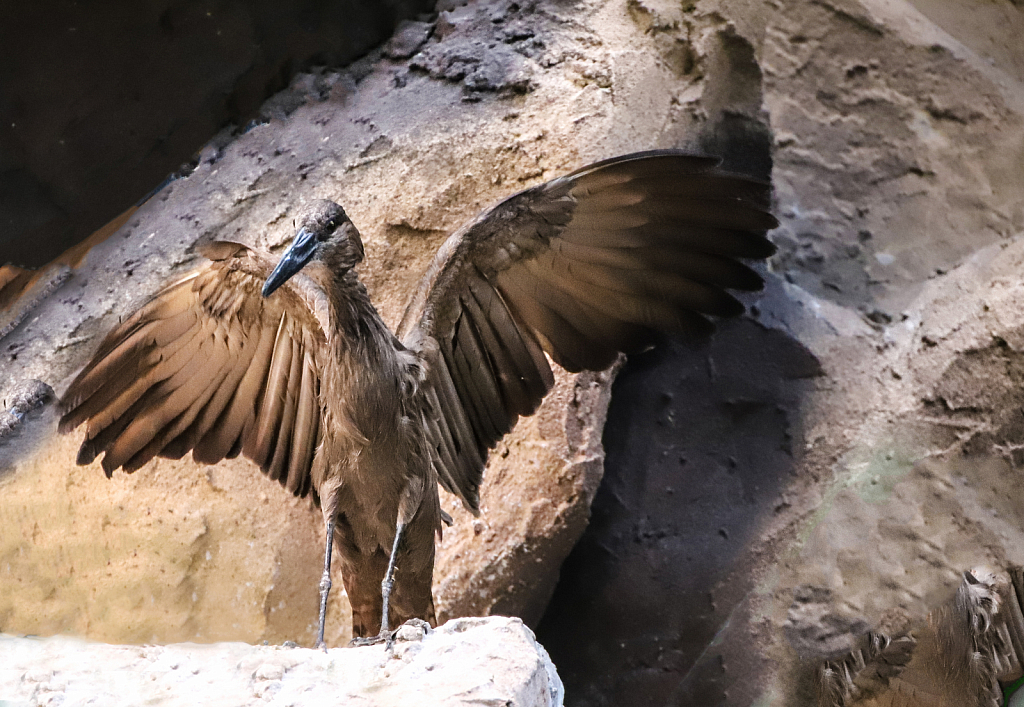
{"x": 202, "y": 456}
{"x": 66, "y": 424}
{"x": 86, "y": 454}
{"x": 766, "y": 248}
{"x": 471, "y": 502}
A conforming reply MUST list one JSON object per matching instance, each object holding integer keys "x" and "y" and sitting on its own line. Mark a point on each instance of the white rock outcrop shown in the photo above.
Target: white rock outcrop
{"x": 489, "y": 661}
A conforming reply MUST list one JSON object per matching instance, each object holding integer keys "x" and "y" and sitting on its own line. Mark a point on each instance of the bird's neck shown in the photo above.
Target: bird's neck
{"x": 358, "y": 319}
{"x": 369, "y": 368}
{"x": 357, "y": 326}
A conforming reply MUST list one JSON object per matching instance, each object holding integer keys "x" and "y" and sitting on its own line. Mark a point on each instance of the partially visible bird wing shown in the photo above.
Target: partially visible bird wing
{"x": 581, "y": 267}
{"x": 211, "y": 366}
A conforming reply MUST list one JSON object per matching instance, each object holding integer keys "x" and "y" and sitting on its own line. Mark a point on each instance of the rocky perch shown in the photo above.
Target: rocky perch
{"x": 491, "y": 661}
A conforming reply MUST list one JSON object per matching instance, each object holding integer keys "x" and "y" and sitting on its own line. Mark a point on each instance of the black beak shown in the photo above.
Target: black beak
{"x": 295, "y": 258}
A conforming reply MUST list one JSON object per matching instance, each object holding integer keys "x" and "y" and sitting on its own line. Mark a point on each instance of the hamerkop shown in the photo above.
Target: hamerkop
{"x": 298, "y": 372}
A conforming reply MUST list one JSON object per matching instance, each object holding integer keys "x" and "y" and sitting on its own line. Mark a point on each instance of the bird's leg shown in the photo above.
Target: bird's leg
{"x": 325, "y": 586}
{"x": 389, "y": 580}
{"x": 385, "y": 636}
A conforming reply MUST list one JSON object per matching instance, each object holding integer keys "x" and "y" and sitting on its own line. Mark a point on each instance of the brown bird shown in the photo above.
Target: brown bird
{"x": 307, "y": 381}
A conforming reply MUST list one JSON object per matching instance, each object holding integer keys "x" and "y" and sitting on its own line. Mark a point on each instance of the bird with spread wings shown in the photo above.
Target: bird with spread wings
{"x": 290, "y": 364}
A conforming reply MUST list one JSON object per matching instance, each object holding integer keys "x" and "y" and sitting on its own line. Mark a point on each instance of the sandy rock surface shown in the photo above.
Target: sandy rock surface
{"x": 849, "y": 450}
{"x": 464, "y": 662}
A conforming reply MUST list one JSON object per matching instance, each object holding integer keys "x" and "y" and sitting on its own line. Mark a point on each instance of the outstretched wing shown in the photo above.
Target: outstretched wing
{"x": 207, "y": 365}
{"x": 582, "y": 267}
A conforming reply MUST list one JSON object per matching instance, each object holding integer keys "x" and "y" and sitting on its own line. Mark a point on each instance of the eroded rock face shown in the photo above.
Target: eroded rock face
{"x": 858, "y": 436}
{"x": 899, "y": 143}
{"x": 897, "y": 259}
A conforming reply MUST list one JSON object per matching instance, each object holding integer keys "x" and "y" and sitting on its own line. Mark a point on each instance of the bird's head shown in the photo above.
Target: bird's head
{"x": 325, "y": 234}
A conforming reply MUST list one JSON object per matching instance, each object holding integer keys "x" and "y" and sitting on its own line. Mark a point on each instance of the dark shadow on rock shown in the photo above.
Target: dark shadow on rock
{"x": 102, "y": 101}
{"x": 737, "y": 128}
{"x": 652, "y": 604}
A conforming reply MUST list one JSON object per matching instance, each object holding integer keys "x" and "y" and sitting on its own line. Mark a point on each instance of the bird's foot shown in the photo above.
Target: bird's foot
{"x": 411, "y": 630}
{"x": 385, "y": 636}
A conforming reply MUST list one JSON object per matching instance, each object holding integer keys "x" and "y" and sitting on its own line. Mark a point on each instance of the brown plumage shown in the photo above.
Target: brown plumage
{"x": 309, "y": 383}
{"x": 970, "y": 647}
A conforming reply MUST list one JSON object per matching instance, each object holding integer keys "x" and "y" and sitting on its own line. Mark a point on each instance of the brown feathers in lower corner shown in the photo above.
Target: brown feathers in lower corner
{"x": 866, "y": 670}
{"x": 958, "y": 657}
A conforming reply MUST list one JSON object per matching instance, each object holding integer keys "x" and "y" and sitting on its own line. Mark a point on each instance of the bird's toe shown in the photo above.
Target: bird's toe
{"x": 385, "y": 637}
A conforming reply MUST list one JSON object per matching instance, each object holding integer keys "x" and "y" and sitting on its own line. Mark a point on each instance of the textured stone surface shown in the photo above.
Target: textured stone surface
{"x": 857, "y": 441}
{"x": 855, "y": 481}
{"x": 493, "y": 661}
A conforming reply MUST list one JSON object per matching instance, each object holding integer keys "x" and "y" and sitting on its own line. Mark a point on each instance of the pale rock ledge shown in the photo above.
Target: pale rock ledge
{"x": 470, "y": 661}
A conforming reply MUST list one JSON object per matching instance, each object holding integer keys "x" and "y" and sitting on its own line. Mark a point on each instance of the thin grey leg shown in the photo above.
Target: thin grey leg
{"x": 389, "y": 580}
{"x": 325, "y": 586}
{"x": 385, "y": 636}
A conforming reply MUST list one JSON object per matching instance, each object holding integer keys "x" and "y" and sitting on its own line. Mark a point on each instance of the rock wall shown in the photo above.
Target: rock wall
{"x": 899, "y": 180}
{"x": 853, "y": 445}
